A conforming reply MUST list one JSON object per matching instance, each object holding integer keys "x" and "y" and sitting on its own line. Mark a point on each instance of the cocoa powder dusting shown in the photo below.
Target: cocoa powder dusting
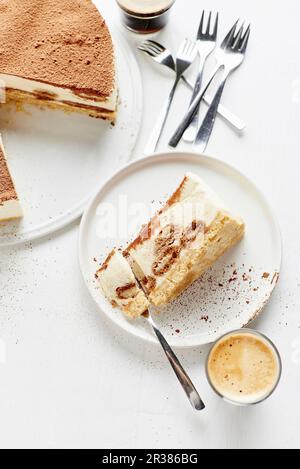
{"x": 7, "y": 188}
{"x": 127, "y": 291}
{"x": 106, "y": 262}
{"x": 169, "y": 243}
{"x": 65, "y": 43}
{"x": 149, "y": 283}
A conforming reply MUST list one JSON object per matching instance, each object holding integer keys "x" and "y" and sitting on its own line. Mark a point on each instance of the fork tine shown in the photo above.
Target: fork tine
{"x": 244, "y": 40}
{"x": 148, "y": 52}
{"x": 191, "y": 49}
{"x": 156, "y": 44}
{"x": 237, "y": 38}
{"x": 143, "y": 48}
{"x": 148, "y": 44}
{"x": 200, "y": 29}
{"x": 191, "y": 46}
{"x": 149, "y": 48}
{"x": 192, "y": 52}
{"x": 215, "y": 31}
{"x": 208, "y": 24}
{"x": 143, "y": 45}
{"x": 185, "y": 46}
{"x": 229, "y": 36}
{"x": 181, "y": 47}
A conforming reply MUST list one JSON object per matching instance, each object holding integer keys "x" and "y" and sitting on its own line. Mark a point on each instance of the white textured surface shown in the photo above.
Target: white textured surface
{"x": 67, "y": 377}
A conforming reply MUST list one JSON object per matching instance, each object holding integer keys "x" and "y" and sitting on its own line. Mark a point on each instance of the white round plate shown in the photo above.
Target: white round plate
{"x": 232, "y": 292}
{"x": 58, "y": 160}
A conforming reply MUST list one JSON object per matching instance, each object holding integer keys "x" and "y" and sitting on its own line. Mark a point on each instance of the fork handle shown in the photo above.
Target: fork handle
{"x": 191, "y": 131}
{"x": 207, "y": 125}
{"x": 198, "y": 82}
{"x": 192, "y": 111}
{"x": 185, "y": 381}
{"x": 161, "y": 121}
{"x": 237, "y": 123}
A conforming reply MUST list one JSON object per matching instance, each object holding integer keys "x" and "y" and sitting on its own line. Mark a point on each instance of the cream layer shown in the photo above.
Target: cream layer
{"x": 57, "y": 93}
{"x": 120, "y": 286}
{"x": 10, "y": 209}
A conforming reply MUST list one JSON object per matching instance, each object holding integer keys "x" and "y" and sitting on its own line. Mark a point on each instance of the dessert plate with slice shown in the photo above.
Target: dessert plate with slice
{"x": 205, "y": 265}
{"x": 70, "y": 112}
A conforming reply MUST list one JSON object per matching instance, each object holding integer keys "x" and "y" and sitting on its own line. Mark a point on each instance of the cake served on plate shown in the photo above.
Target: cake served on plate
{"x": 58, "y": 53}
{"x": 10, "y": 207}
{"x": 181, "y": 242}
{"x": 120, "y": 286}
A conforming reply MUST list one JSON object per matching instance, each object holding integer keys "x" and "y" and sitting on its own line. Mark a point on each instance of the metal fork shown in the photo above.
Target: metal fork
{"x": 185, "y": 381}
{"x": 232, "y": 53}
{"x": 184, "y": 59}
{"x": 206, "y": 43}
{"x": 163, "y": 56}
{"x": 221, "y": 60}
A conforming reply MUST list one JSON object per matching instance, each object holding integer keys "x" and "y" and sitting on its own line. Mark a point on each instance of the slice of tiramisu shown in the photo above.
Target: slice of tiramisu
{"x": 58, "y": 53}
{"x": 120, "y": 286}
{"x": 182, "y": 241}
{"x": 10, "y": 207}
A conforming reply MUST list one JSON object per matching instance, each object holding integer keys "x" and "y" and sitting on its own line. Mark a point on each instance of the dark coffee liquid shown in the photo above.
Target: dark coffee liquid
{"x": 144, "y": 25}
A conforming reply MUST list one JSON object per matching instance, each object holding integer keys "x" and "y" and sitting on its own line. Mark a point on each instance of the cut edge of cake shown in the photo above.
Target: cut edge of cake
{"x": 189, "y": 249}
{"x": 120, "y": 286}
{"x": 68, "y": 57}
{"x": 10, "y": 207}
{"x": 195, "y": 262}
{"x": 42, "y": 99}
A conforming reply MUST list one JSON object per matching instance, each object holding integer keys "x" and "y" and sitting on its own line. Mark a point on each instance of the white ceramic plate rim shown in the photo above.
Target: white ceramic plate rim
{"x": 186, "y": 343}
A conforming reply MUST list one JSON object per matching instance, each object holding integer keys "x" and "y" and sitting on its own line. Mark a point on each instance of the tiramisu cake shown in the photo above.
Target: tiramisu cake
{"x": 59, "y": 53}
{"x": 120, "y": 286}
{"x": 10, "y": 207}
{"x": 182, "y": 241}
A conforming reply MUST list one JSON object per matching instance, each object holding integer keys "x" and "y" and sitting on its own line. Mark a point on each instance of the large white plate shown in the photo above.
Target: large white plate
{"x": 230, "y": 294}
{"x": 58, "y": 160}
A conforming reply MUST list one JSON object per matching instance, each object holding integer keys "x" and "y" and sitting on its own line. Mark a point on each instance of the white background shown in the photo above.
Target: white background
{"x": 70, "y": 379}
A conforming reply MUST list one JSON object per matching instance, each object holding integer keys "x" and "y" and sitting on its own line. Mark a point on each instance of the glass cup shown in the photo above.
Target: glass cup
{"x": 259, "y": 366}
{"x": 145, "y": 16}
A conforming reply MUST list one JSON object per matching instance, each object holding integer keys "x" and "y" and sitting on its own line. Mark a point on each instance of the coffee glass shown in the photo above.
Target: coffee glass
{"x": 145, "y": 16}
{"x": 248, "y": 357}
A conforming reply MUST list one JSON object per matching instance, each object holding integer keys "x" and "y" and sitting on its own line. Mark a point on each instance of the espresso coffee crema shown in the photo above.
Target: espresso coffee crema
{"x": 243, "y": 367}
{"x": 145, "y": 16}
{"x": 145, "y": 7}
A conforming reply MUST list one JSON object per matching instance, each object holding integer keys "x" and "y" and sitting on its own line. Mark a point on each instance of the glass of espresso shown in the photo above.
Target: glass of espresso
{"x": 145, "y": 16}
{"x": 244, "y": 367}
